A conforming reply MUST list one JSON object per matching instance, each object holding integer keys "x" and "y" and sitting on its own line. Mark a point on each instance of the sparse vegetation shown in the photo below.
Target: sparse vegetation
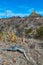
{"x": 21, "y": 32}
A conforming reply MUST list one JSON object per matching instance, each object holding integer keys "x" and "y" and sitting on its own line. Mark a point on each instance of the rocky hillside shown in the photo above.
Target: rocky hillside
{"x": 21, "y": 25}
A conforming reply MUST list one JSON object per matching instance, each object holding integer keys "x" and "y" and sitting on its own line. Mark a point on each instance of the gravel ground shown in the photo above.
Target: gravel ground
{"x": 16, "y": 58}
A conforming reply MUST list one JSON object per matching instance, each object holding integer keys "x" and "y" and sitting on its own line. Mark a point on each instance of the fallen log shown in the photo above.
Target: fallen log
{"x": 16, "y": 48}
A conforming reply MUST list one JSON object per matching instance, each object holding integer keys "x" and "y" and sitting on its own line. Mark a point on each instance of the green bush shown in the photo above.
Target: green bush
{"x": 28, "y": 31}
{"x": 40, "y": 31}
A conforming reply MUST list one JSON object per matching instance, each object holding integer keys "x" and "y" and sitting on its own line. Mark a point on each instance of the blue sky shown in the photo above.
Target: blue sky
{"x": 20, "y": 7}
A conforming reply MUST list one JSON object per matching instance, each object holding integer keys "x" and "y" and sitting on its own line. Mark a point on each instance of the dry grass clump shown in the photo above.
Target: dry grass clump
{"x": 12, "y": 37}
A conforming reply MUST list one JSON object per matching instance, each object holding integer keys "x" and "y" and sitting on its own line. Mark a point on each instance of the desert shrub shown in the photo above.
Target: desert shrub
{"x": 2, "y": 35}
{"x": 11, "y": 37}
{"x": 28, "y": 31}
{"x": 39, "y": 31}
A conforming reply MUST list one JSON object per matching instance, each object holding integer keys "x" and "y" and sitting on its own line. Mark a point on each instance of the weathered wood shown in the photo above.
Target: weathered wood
{"x": 16, "y": 48}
